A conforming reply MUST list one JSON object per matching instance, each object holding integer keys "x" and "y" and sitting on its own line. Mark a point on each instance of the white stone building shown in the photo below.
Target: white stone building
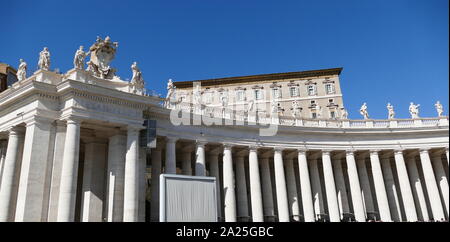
{"x": 70, "y": 151}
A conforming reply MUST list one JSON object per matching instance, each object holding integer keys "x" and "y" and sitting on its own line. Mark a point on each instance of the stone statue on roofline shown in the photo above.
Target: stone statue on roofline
{"x": 439, "y": 109}
{"x": 22, "y": 70}
{"x": 344, "y": 113}
{"x": 137, "y": 81}
{"x": 363, "y": 111}
{"x": 80, "y": 56}
{"x": 414, "y": 110}
{"x": 44, "y": 60}
{"x": 391, "y": 112}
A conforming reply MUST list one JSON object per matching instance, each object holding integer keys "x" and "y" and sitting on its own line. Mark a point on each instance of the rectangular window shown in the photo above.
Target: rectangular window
{"x": 314, "y": 115}
{"x": 331, "y": 100}
{"x": 258, "y": 95}
{"x": 311, "y": 90}
{"x": 333, "y": 114}
{"x": 240, "y": 96}
{"x": 276, "y": 93}
{"x": 313, "y": 102}
{"x": 329, "y": 88}
{"x": 294, "y": 91}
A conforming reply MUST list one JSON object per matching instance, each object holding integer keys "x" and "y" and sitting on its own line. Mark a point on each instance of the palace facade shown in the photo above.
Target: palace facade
{"x": 70, "y": 150}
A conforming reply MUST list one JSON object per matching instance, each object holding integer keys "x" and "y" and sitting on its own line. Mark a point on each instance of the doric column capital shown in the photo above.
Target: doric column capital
{"x": 227, "y": 146}
{"x": 171, "y": 139}
{"x": 16, "y": 131}
{"x": 253, "y": 148}
{"x": 398, "y": 151}
{"x": 326, "y": 152}
{"x": 302, "y": 151}
{"x": 374, "y": 152}
{"x": 350, "y": 152}
{"x": 424, "y": 150}
{"x": 73, "y": 120}
{"x": 37, "y": 120}
{"x": 278, "y": 149}
{"x": 201, "y": 143}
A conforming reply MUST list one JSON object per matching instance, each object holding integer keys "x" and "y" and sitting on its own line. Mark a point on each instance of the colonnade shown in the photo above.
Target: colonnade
{"x": 275, "y": 184}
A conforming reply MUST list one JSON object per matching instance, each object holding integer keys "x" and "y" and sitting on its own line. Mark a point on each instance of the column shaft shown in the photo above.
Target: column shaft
{"x": 10, "y": 177}
{"x": 355, "y": 188}
{"x": 266, "y": 182}
{"x": 305, "y": 186}
{"x": 214, "y": 171}
{"x": 228, "y": 186}
{"x": 417, "y": 189}
{"x": 316, "y": 188}
{"x": 280, "y": 183}
{"x": 115, "y": 178}
{"x": 58, "y": 155}
{"x": 68, "y": 188}
{"x": 186, "y": 163}
{"x": 255, "y": 187}
{"x": 380, "y": 188}
{"x": 142, "y": 183}
{"x": 441, "y": 179}
{"x": 241, "y": 190}
{"x": 432, "y": 188}
{"x": 405, "y": 187}
{"x": 292, "y": 190}
{"x": 171, "y": 163}
{"x": 330, "y": 188}
{"x": 341, "y": 188}
{"x": 200, "y": 163}
{"x": 366, "y": 190}
{"x": 391, "y": 190}
{"x": 131, "y": 185}
{"x": 156, "y": 172}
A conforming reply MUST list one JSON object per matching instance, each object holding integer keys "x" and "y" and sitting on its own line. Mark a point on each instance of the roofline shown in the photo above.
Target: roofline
{"x": 262, "y": 77}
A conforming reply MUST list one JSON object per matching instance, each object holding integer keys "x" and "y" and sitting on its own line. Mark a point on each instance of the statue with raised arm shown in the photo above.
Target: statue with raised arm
{"x": 44, "y": 59}
{"x": 344, "y": 113}
{"x": 296, "y": 109}
{"x": 439, "y": 109}
{"x": 170, "y": 90}
{"x": 22, "y": 70}
{"x": 78, "y": 60}
{"x": 414, "y": 110}
{"x": 363, "y": 111}
{"x": 391, "y": 112}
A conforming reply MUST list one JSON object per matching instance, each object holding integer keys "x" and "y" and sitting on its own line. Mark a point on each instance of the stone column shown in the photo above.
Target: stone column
{"x": 432, "y": 188}
{"x": 316, "y": 188}
{"x": 330, "y": 187}
{"x": 255, "y": 186}
{"x": 69, "y": 174}
{"x": 241, "y": 190}
{"x": 418, "y": 193}
{"x": 366, "y": 190}
{"x": 405, "y": 187}
{"x": 292, "y": 190}
{"x": 266, "y": 182}
{"x": 58, "y": 155}
{"x": 305, "y": 186}
{"x": 156, "y": 172}
{"x": 214, "y": 171}
{"x": 10, "y": 177}
{"x": 142, "y": 183}
{"x": 3, "y": 146}
{"x": 280, "y": 183}
{"x": 186, "y": 162}
{"x": 341, "y": 189}
{"x": 171, "y": 162}
{"x": 200, "y": 163}
{"x": 355, "y": 188}
{"x": 441, "y": 179}
{"x": 115, "y": 178}
{"x": 131, "y": 185}
{"x": 33, "y": 172}
{"x": 93, "y": 180}
{"x": 391, "y": 190}
{"x": 228, "y": 185}
{"x": 380, "y": 188}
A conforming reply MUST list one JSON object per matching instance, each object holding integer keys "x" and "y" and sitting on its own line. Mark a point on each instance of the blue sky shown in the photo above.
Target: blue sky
{"x": 391, "y": 50}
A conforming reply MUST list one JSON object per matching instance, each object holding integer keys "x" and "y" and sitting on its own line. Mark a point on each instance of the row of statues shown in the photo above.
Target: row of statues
{"x": 101, "y": 53}
{"x": 413, "y": 110}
